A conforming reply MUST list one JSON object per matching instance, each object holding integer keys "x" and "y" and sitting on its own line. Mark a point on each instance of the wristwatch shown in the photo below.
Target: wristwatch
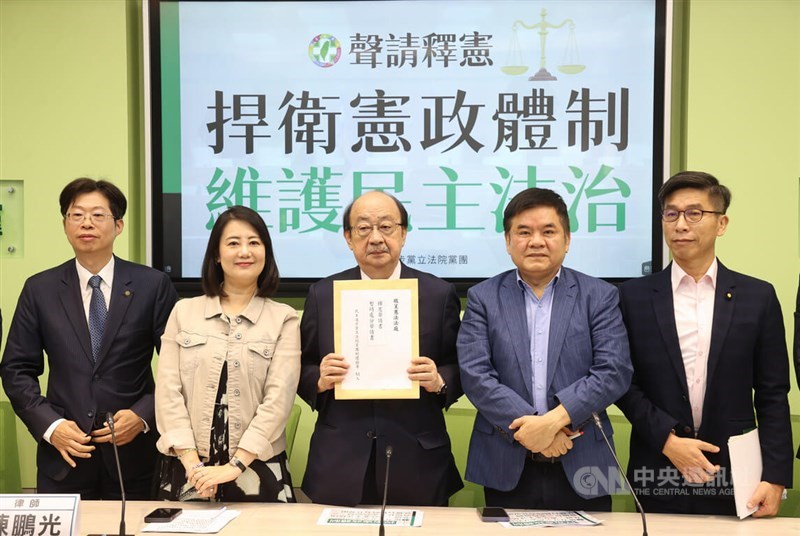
{"x": 443, "y": 389}
{"x": 236, "y": 462}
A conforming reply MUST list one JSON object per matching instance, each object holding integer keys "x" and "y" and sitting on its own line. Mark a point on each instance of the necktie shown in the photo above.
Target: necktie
{"x": 97, "y": 315}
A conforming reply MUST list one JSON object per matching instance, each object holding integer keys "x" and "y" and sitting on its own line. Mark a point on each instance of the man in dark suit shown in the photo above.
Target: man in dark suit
{"x": 98, "y": 319}
{"x": 346, "y": 459}
{"x": 541, "y": 349}
{"x": 709, "y": 355}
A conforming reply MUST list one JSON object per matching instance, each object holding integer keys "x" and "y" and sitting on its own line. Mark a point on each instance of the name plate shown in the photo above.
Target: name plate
{"x": 45, "y": 515}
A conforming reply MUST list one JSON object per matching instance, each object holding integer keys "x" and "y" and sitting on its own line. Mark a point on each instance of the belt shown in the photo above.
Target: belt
{"x": 538, "y": 457}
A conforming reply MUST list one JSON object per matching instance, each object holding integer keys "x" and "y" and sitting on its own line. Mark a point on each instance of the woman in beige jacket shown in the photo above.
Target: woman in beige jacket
{"x": 228, "y": 373}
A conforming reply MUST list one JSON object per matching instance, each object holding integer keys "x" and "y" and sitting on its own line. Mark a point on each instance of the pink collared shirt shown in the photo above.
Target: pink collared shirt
{"x": 694, "y": 313}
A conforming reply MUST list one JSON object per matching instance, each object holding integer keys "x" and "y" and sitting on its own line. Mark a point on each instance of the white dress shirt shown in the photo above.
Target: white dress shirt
{"x": 395, "y": 274}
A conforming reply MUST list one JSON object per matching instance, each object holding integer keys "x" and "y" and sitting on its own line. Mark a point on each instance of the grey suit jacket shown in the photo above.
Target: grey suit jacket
{"x": 588, "y": 368}
{"x": 50, "y": 319}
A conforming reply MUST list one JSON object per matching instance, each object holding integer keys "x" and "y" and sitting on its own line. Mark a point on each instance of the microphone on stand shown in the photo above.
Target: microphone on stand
{"x": 385, "y": 488}
{"x": 110, "y": 422}
{"x": 611, "y": 450}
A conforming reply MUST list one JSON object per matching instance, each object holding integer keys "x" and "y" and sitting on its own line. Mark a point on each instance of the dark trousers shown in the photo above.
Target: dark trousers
{"x": 544, "y": 486}
{"x": 93, "y": 480}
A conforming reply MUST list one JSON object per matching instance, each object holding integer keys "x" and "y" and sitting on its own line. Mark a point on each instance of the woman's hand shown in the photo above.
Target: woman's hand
{"x": 205, "y": 479}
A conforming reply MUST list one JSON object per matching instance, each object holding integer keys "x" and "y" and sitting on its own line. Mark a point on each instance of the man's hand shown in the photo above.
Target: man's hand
{"x": 768, "y": 499}
{"x": 127, "y": 425}
{"x": 536, "y": 433}
{"x": 71, "y": 441}
{"x": 332, "y": 370}
{"x": 424, "y": 370}
{"x": 687, "y": 455}
{"x": 560, "y": 445}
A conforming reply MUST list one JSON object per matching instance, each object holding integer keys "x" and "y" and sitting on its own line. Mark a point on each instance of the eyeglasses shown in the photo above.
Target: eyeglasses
{"x": 692, "y": 215}
{"x": 95, "y": 217}
{"x": 386, "y": 228}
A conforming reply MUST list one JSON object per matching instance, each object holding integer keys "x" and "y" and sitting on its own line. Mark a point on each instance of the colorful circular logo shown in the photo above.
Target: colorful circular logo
{"x": 325, "y": 50}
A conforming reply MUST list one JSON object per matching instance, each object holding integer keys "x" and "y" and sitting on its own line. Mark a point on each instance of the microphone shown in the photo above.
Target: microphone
{"x": 619, "y": 465}
{"x": 110, "y": 423}
{"x": 385, "y": 488}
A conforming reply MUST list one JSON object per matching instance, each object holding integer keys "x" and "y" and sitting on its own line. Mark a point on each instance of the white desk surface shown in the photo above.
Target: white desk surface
{"x": 279, "y": 519}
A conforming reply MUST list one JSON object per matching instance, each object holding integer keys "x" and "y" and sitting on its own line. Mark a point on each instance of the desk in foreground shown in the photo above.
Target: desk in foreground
{"x": 301, "y": 519}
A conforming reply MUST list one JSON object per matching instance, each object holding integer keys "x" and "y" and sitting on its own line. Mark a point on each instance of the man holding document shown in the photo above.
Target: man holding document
{"x": 347, "y": 455}
{"x": 709, "y": 355}
{"x": 542, "y": 348}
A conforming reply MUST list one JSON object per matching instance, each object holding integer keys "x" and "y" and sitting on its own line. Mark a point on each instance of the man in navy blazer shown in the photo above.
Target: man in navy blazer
{"x": 541, "y": 348}
{"x": 346, "y": 458}
{"x": 710, "y": 362}
{"x": 90, "y": 374}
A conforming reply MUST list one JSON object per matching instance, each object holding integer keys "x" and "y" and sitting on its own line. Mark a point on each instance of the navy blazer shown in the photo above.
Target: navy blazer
{"x": 50, "y": 319}
{"x": 423, "y": 471}
{"x": 588, "y": 368}
{"x": 747, "y": 366}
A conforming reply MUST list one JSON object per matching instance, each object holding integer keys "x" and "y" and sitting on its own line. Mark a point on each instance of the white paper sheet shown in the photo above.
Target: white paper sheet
{"x": 376, "y": 338}
{"x": 372, "y": 516}
{"x": 541, "y": 518}
{"x": 196, "y": 522}
{"x": 745, "y": 453}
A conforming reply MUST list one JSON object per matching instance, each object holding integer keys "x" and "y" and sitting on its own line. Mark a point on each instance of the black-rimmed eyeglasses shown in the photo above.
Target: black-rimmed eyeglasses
{"x": 692, "y": 215}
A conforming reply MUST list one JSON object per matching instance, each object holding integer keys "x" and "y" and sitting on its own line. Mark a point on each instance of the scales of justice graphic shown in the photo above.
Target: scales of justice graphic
{"x": 517, "y": 65}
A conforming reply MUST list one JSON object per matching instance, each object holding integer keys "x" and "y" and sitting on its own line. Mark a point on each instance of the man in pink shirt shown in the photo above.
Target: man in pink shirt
{"x": 709, "y": 355}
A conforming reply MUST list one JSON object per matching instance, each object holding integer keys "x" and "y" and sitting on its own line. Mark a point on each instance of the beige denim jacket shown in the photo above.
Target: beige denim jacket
{"x": 262, "y": 349}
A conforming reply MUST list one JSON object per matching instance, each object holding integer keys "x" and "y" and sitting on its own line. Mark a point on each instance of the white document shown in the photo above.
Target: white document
{"x": 364, "y": 516}
{"x": 745, "y": 452}
{"x": 196, "y": 522}
{"x": 377, "y": 339}
{"x": 376, "y": 328}
{"x": 541, "y": 518}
